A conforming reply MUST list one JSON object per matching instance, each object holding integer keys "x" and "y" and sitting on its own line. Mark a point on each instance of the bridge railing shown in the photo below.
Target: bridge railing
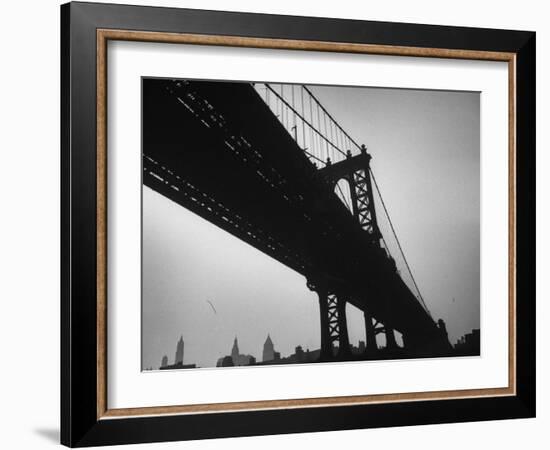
{"x": 315, "y": 131}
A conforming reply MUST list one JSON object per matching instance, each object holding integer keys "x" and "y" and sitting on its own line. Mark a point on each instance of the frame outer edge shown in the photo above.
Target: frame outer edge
{"x": 526, "y": 224}
{"x": 65, "y": 370}
{"x": 79, "y": 260}
{"x": 79, "y": 426}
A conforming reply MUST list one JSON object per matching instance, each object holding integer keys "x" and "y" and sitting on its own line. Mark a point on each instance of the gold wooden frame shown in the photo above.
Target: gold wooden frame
{"x": 104, "y": 35}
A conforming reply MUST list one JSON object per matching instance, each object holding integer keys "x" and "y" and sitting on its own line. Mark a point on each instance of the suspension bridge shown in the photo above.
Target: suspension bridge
{"x": 270, "y": 165}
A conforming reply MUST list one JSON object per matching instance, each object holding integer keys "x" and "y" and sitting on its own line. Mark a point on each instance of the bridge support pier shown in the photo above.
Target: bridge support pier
{"x": 407, "y": 343}
{"x": 370, "y": 334}
{"x": 343, "y": 337}
{"x": 326, "y": 341}
{"x": 391, "y": 343}
{"x": 334, "y": 328}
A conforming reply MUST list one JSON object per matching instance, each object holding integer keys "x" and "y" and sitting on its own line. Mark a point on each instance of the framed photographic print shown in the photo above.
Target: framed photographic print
{"x": 276, "y": 224}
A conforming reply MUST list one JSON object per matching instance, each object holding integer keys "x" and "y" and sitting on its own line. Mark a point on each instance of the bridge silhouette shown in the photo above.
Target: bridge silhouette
{"x": 270, "y": 165}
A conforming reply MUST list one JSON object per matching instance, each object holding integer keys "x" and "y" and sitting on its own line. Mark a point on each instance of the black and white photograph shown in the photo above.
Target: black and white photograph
{"x": 300, "y": 224}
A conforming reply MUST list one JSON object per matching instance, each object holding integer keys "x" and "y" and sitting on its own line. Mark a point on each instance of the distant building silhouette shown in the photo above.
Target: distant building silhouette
{"x": 269, "y": 350}
{"x": 225, "y": 361}
{"x": 179, "y": 352}
{"x": 299, "y": 356}
{"x": 178, "y": 366}
{"x": 236, "y": 358}
{"x": 178, "y": 363}
{"x": 469, "y": 344}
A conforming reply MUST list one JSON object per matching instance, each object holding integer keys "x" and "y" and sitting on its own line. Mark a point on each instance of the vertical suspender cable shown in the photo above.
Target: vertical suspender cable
{"x": 303, "y": 115}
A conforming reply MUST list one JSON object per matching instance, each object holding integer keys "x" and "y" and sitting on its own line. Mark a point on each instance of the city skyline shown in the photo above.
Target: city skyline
{"x": 466, "y": 345}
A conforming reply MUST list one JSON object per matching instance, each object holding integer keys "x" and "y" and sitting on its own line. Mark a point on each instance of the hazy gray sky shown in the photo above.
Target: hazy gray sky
{"x": 426, "y": 159}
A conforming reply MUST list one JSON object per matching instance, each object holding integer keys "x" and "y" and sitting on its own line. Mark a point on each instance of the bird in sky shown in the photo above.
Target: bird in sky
{"x": 212, "y": 306}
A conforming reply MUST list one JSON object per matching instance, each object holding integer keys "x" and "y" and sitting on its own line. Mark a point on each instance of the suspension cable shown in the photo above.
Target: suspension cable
{"x": 331, "y": 118}
{"x": 398, "y": 243}
{"x": 321, "y": 136}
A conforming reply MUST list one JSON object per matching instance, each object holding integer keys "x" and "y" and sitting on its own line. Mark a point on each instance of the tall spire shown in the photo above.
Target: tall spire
{"x": 179, "y": 352}
{"x": 269, "y": 350}
{"x": 235, "y": 351}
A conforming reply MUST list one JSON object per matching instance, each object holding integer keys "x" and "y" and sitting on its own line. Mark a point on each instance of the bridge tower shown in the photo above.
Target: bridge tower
{"x": 362, "y": 198}
{"x": 356, "y": 171}
{"x": 334, "y": 328}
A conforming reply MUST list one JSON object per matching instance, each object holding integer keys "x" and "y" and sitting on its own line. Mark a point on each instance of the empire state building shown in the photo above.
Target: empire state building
{"x": 269, "y": 350}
